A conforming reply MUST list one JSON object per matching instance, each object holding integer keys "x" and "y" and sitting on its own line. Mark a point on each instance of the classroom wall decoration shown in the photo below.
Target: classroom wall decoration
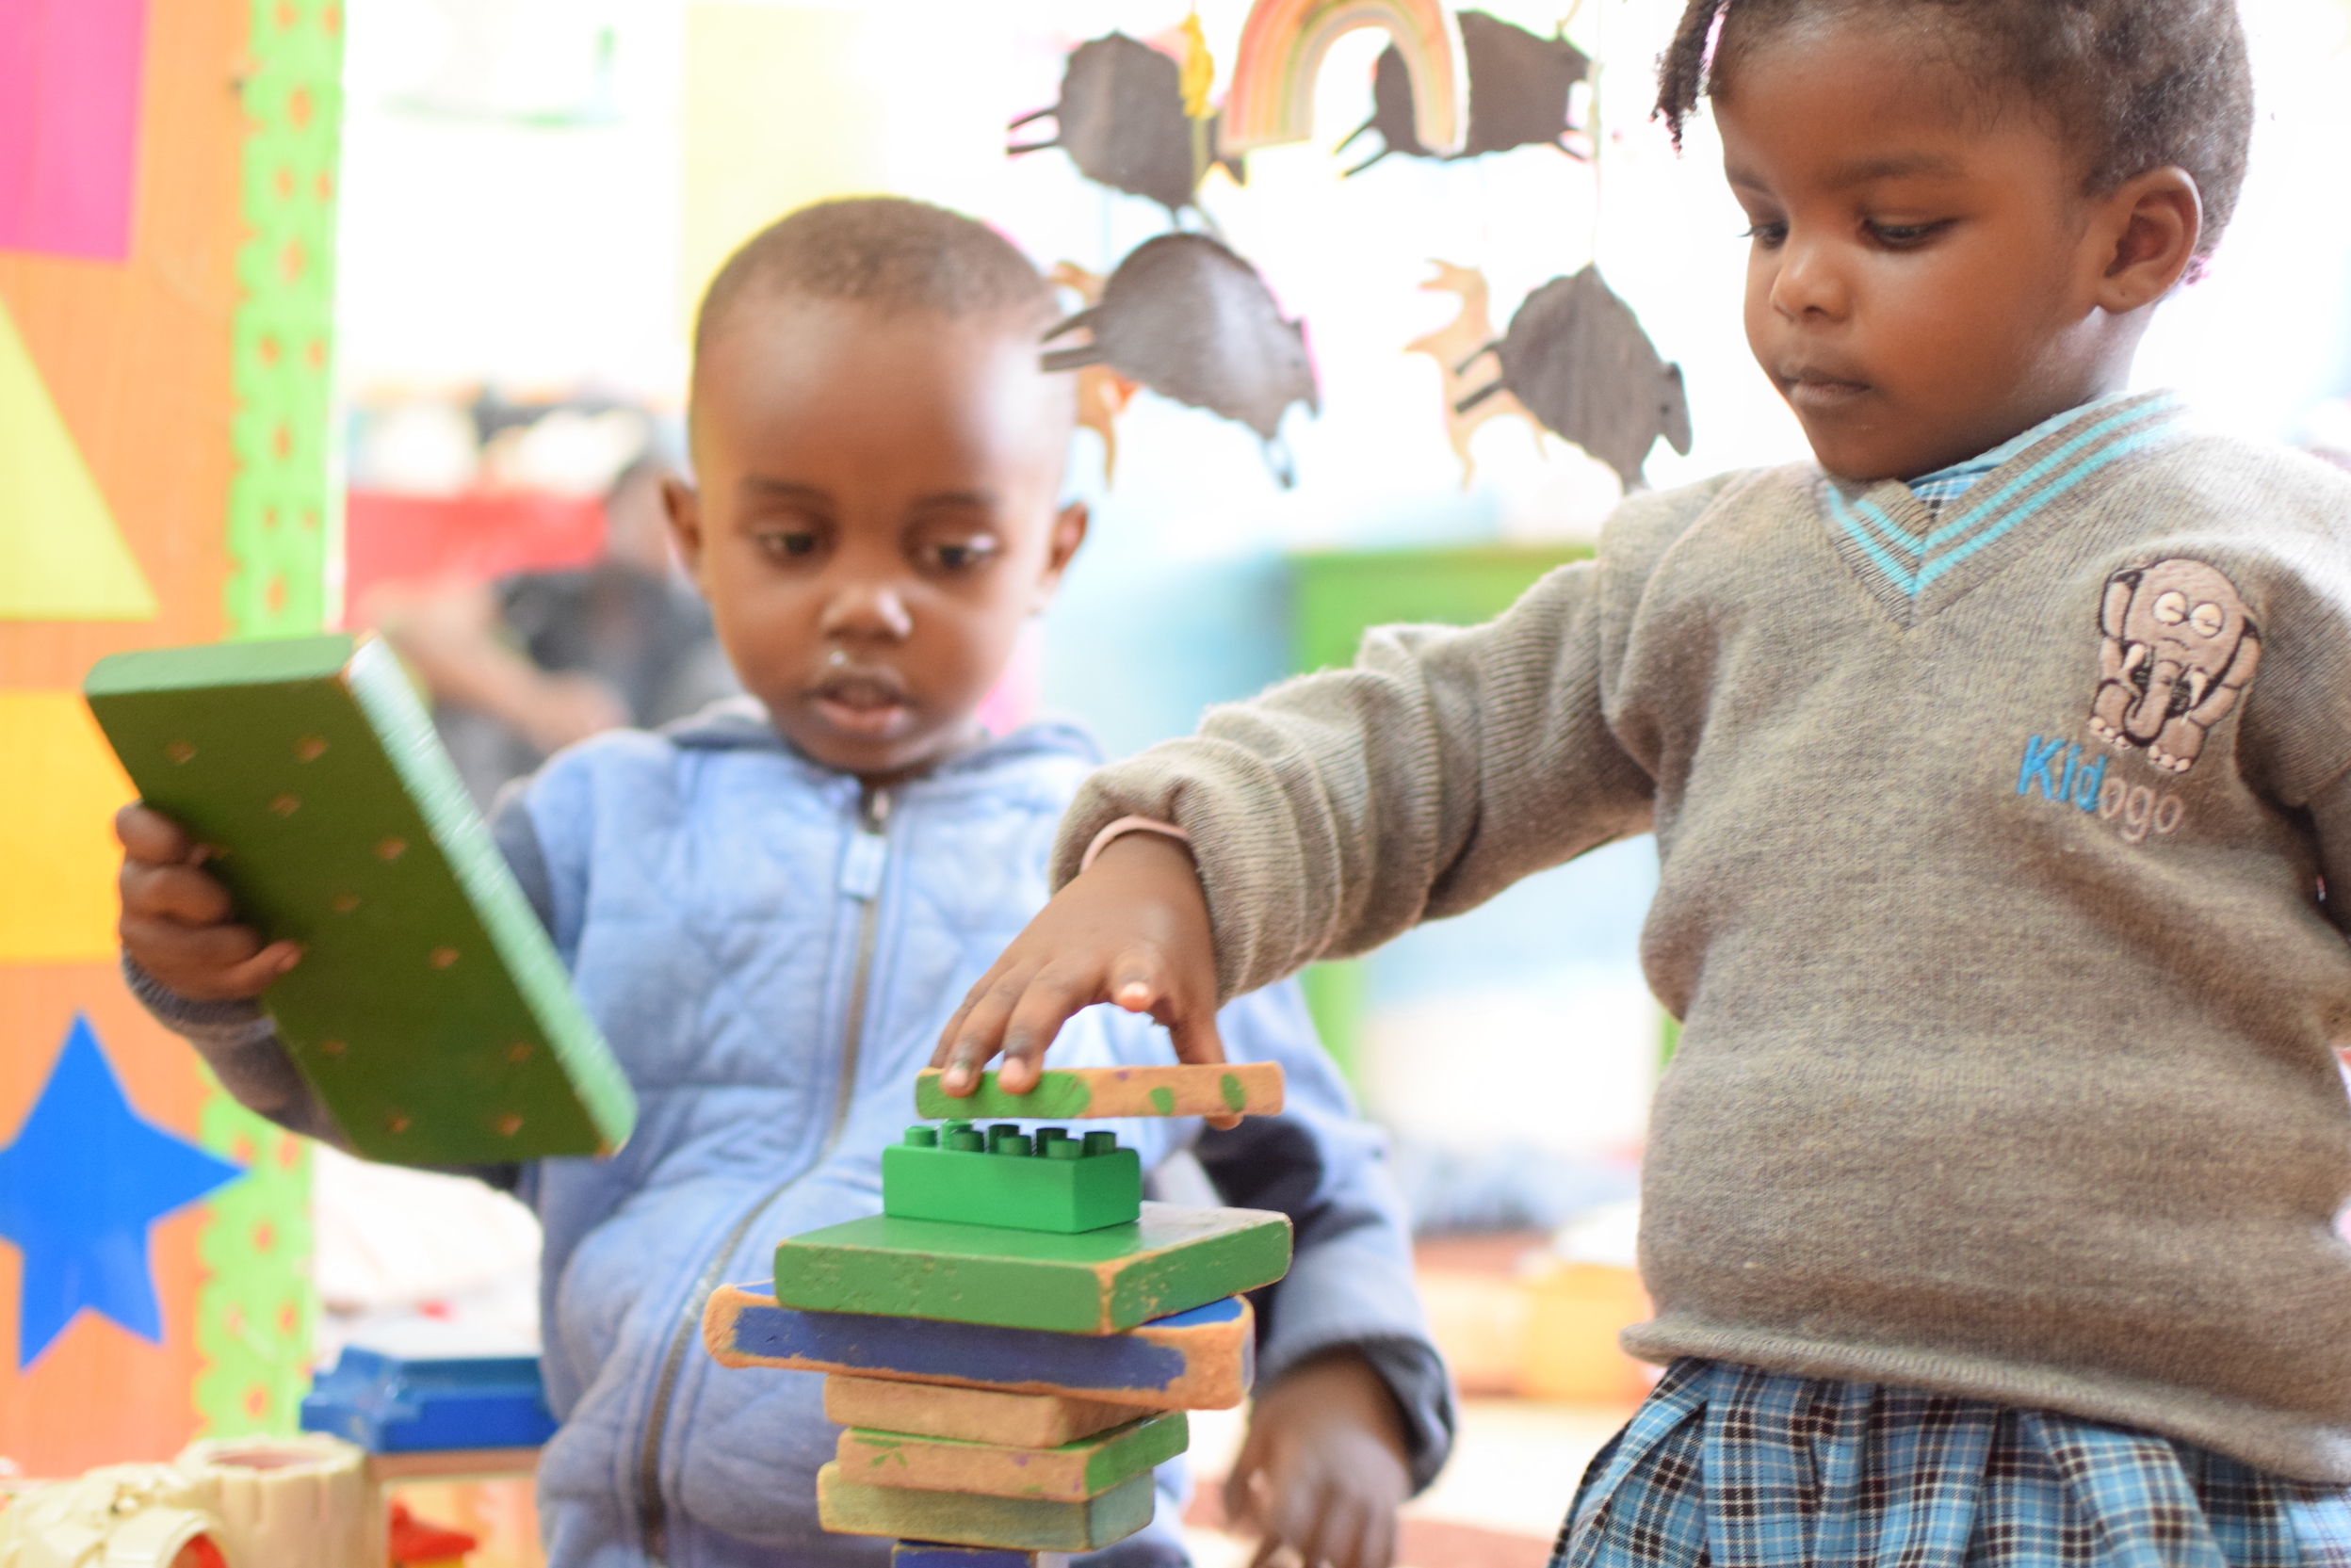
{"x": 1519, "y": 83}
{"x": 1576, "y": 357}
{"x": 167, "y": 213}
{"x": 1185, "y": 316}
{"x": 1282, "y": 44}
{"x": 1456, "y": 347}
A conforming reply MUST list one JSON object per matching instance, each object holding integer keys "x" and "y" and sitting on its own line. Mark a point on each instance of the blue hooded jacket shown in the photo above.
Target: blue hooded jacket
{"x": 773, "y": 953}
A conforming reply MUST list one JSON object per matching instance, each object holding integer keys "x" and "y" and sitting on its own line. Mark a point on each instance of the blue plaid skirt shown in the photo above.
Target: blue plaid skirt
{"x": 1729, "y": 1466}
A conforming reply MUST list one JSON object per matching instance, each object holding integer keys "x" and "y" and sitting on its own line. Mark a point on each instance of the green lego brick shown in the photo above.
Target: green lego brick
{"x": 1093, "y": 1283}
{"x": 429, "y": 1012}
{"x": 1070, "y": 1473}
{"x": 1078, "y": 1093}
{"x": 1059, "y": 1188}
{"x": 962, "y": 1519}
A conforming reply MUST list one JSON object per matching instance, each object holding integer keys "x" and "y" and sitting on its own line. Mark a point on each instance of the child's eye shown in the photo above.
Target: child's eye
{"x": 1903, "y": 236}
{"x": 1771, "y": 236}
{"x": 788, "y": 544}
{"x": 962, "y": 555}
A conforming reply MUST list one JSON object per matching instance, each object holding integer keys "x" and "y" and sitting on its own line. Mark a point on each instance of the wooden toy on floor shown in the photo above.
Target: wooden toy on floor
{"x": 429, "y": 1012}
{"x": 1011, "y": 1343}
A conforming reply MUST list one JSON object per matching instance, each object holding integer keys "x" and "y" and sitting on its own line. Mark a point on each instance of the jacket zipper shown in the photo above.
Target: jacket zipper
{"x": 866, "y": 861}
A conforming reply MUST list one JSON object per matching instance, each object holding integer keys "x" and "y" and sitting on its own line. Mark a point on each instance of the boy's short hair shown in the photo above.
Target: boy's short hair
{"x": 2134, "y": 85}
{"x": 879, "y": 251}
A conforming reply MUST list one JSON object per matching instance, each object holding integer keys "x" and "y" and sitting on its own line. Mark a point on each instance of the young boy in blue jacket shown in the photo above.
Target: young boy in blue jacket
{"x": 771, "y": 909}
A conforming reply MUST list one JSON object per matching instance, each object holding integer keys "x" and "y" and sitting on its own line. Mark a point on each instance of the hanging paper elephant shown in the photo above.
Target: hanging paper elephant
{"x": 1519, "y": 87}
{"x": 1192, "y": 321}
{"x": 1575, "y": 356}
{"x": 1121, "y": 119}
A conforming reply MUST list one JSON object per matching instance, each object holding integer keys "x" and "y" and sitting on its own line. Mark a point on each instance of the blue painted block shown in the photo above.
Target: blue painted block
{"x": 930, "y": 1553}
{"x": 390, "y": 1404}
{"x": 1203, "y": 1359}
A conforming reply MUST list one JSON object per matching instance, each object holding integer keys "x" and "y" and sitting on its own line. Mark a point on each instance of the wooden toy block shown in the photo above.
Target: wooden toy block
{"x": 1082, "y": 1094}
{"x": 974, "y": 1415}
{"x": 390, "y": 1404}
{"x": 1070, "y": 1474}
{"x": 1096, "y": 1281}
{"x": 1061, "y": 1186}
{"x": 962, "y": 1519}
{"x": 1203, "y": 1359}
{"x": 429, "y": 1012}
{"x": 932, "y": 1554}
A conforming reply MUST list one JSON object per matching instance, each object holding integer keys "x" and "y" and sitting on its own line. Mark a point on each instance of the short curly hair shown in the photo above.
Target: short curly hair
{"x": 2133, "y": 84}
{"x": 879, "y": 251}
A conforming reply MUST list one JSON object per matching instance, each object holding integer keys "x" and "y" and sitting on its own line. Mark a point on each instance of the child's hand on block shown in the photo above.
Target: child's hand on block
{"x": 1131, "y": 928}
{"x": 1323, "y": 1469}
{"x": 178, "y": 924}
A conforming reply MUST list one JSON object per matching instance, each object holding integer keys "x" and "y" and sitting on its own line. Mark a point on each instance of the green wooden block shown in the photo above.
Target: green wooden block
{"x": 1074, "y": 1093}
{"x": 1093, "y": 1283}
{"x": 1070, "y": 1473}
{"x": 429, "y": 1012}
{"x": 964, "y": 1519}
{"x": 1059, "y": 1188}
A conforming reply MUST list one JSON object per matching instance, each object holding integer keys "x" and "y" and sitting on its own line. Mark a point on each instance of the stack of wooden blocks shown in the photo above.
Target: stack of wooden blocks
{"x": 1011, "y": 1345}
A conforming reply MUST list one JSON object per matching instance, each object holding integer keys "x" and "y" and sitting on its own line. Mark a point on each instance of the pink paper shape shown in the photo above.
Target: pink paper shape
{"x": 68, "y": 125}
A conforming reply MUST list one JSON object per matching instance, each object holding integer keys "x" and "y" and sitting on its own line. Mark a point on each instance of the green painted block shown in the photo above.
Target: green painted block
{"x": 1170, "y": 1260}
{"x": 1073, "y": 1093}
{"x": 1060, "y": 1187}
{"x": 429, "y": 1012}
{"x": 964, "y": 1519}
{"x": 1070, "y": 1473}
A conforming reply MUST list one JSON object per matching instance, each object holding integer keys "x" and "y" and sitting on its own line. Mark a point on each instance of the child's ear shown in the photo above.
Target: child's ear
{"x": 1069, "y": 531}
{"x": 2152, "y": 222}
{"x": 682, "y": 503}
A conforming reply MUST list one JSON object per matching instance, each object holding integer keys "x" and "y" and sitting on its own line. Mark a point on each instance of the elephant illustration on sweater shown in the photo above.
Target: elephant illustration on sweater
{"x": 2179, "y": 649}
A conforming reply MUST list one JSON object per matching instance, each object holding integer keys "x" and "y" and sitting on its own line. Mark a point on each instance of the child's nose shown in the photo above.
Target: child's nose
{"x": 1808, "y": 282}
{"x": 872, "y": 608}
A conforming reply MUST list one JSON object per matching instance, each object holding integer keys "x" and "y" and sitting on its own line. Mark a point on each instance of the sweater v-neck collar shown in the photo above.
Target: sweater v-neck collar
{"x": 1915, "y": 556}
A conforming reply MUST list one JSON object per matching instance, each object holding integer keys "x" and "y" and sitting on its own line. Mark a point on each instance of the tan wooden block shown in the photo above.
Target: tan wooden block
{"x": 1068, "y": 1474}
{"x": 972, "y": 1414}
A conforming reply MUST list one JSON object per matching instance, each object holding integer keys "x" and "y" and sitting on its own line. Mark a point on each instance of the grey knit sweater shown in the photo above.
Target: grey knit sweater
{"x": 1994, "y": 842}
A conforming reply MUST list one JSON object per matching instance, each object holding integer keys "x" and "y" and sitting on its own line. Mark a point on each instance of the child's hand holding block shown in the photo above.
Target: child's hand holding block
{"x": 430, "y": 1013}
{"x": 1096, "y": 1093}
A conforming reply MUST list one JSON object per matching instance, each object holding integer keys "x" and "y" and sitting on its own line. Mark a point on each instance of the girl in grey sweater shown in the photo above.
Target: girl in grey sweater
{"x": 2000, "y": 765}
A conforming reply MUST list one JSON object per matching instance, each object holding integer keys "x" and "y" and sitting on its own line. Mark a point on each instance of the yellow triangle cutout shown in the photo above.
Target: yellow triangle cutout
{"x": 61, "y": 556}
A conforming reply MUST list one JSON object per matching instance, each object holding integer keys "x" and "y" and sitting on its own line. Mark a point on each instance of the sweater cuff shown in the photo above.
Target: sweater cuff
{"x": 227, "y": 1025}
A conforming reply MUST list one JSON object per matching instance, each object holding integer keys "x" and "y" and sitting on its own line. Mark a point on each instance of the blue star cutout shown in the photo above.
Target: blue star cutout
{"x": 79, "y": 1188}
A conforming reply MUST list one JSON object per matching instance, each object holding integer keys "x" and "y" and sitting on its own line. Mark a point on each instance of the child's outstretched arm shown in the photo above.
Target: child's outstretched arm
{"x": 1338, "y": 810}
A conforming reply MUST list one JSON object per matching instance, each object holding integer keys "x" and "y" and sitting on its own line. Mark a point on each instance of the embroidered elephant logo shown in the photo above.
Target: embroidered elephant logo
{"x": 2179, "y": 649}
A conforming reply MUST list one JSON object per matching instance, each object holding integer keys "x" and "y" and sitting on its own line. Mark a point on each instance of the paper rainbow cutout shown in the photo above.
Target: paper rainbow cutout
{"x": 1282, "y": 45}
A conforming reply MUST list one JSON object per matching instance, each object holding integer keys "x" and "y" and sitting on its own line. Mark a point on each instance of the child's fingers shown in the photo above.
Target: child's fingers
{"x": 151, "y": 836}
{"x": 1332, "y": 1528}
{"x": 1053, "y": 995}
{"x": 206, "y": 963}
{"x": 977, "y": 1029}
{"x": 253, "y": 977}
{"x": 173, "y": 892}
